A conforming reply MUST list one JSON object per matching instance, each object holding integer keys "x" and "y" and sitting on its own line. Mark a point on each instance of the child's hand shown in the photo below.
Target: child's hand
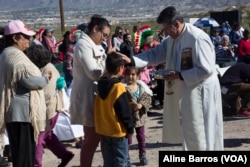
{"x": 135, "y": 106}
{"x": 139, "y": 106}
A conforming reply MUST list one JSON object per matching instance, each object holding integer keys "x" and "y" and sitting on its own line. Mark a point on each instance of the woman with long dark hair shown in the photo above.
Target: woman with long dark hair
{"x": 89, "y": 66}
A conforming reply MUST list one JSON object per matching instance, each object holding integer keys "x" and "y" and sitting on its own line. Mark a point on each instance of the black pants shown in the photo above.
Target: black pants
{"x": 22, "y": 144}
{"x": 160, "y": 90}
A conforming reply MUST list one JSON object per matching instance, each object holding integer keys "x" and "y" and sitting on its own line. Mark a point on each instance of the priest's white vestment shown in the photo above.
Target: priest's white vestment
{"x": 193, "y": 114}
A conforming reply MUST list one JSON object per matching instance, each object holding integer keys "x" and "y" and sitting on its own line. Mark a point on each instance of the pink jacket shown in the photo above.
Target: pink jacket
{"x": 145, "y": 77}
{"x": 49, "y": 44}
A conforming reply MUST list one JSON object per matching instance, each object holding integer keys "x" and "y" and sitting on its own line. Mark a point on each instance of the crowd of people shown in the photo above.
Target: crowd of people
{"x": 232, "y": 48}
{"x": 231, "y": 44}
{"x": 113, "y": 89}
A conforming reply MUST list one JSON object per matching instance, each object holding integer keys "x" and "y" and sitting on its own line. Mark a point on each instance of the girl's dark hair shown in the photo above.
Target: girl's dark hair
{"x": 39, "y": 55}
{"x": 113, "y": 61}
{"x": 246, "y": 33}
{"x": 66, "y": 42}
{"x": 45, "y": 32}
{"x": 98, "y": 21}
{"x": 117, "y": 29}
{"x": 125, "y": 36}
{"x": 135, "y": 28}
{"x": 66, "y": 34}
{"x": 130, "y": 68}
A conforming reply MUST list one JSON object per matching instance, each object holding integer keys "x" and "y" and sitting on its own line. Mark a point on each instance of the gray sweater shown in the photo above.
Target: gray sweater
{"x": 19, "y": 106}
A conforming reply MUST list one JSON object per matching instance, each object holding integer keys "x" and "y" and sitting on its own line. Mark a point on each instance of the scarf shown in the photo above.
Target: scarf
{"x": 53, "y": 96}
{"x": 13, "y": 65}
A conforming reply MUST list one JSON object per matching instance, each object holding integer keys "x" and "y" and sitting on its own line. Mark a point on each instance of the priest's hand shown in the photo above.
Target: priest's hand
{"x": 173, "y": 75}
{"x": 125, "y": 58}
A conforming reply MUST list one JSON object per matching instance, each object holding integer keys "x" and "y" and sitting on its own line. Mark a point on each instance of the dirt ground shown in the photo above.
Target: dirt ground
{"x": 236, "y": 137}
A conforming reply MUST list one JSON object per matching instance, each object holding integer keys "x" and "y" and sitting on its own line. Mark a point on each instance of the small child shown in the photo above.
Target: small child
{"x": 140, "y": 101}
{"x": 41, "y": 57}
{"x": 112, "y": 114}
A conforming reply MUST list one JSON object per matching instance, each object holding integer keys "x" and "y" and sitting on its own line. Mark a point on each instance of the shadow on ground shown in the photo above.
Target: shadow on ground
{"x": 236, "y": 142}
{"x": 235, "y": 118}
{"x": 154, "y": 145}
{"x": 155, "y": 127}
{"x": 154, "y": 114}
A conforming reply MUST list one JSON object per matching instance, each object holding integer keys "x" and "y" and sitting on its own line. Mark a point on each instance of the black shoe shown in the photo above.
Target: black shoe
{"x": 7, "y": 153}
{"x": 6, "y": 150}
{"x": 150, "y": 113}
{"x": 157, "y": 107}
{"x": 143, "y": 159}
{"x": 66, "y": 160}
{"x": 129, "y": 164}
{"x": 79, "y": 144}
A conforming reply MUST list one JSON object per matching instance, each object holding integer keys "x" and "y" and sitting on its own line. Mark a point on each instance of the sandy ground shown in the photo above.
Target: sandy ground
{"x": 236, "y": 137}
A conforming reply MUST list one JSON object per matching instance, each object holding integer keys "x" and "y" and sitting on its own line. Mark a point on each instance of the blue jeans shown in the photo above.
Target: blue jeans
{"x": 115, "y": 151}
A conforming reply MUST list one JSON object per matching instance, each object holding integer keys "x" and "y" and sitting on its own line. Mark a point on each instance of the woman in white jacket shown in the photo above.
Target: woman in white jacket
{"x": 89, "y": 66}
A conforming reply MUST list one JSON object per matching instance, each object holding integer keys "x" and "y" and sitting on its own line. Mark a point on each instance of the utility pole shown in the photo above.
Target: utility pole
{"x": 62, "y": 16}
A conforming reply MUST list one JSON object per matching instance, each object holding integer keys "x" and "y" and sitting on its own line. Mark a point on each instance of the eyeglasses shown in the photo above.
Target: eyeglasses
{"x": 105, "y": 35}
